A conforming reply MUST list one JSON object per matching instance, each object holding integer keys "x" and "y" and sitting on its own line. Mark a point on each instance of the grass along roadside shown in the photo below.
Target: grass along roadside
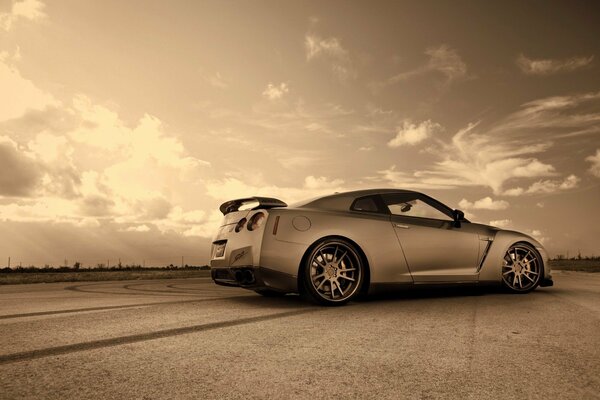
{"x": 582, "y": 265}
{"x": 12, "y": 278}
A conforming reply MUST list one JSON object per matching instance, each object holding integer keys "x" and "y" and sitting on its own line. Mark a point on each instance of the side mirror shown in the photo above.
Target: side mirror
{"x": 458, "y": 217}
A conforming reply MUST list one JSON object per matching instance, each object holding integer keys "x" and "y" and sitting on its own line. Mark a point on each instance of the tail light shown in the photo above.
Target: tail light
{"x": 256, "y": 221}
{"x": 240, "y": 224}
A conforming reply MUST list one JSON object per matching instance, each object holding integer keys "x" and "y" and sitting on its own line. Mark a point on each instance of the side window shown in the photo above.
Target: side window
{"x": 365, "y": 204}
{"x": 412, "y": 206}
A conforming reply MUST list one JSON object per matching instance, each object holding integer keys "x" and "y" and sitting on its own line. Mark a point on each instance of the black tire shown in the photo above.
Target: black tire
{"x": 333, "y": 272}
{"x": 522, "y": 268}
{"x": 269, "y": 293}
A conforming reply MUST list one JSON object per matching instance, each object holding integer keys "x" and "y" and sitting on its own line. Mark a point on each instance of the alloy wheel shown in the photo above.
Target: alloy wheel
{"x": 521, "y": 268}
{"x": 334, "y": 272}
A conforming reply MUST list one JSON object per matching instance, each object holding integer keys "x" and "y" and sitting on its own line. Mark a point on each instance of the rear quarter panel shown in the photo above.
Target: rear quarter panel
{"x": 373, "y": 233}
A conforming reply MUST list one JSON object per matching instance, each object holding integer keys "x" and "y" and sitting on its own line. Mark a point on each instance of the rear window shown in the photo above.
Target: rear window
{"x": 367, "y": 204}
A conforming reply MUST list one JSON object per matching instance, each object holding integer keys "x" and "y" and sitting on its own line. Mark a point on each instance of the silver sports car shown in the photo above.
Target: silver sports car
{"x": 336, "y": 247}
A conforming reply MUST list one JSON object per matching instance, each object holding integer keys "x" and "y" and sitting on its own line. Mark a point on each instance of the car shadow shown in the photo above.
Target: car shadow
{"x": 415, "y": 293}
{"x": 295, "y": 301}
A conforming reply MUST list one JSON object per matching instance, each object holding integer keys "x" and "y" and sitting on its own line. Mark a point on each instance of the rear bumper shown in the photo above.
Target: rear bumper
{"x": 255, "y": 277}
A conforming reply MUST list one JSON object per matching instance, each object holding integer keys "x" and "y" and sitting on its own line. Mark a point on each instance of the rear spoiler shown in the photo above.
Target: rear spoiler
{"x": 263, "y": 202}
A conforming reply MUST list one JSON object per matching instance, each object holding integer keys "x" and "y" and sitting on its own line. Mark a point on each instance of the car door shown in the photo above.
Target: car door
{"x": 435, "y": 249}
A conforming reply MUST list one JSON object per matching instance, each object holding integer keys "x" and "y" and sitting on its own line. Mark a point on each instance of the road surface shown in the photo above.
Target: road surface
{"x": 191, "y": 339}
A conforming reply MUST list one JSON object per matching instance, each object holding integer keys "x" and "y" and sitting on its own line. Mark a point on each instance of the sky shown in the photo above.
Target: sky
{"x": 124, "y": 125}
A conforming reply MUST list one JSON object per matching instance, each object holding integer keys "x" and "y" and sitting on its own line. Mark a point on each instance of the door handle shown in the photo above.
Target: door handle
{"x": 401, "y": 226}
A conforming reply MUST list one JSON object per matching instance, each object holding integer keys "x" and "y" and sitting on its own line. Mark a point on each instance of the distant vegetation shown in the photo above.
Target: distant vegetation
{"x": 47, "y": 274}
{"x": 591, "y": 264}
{"x": 562, "y": 257}
{"x": 99, "y": 268}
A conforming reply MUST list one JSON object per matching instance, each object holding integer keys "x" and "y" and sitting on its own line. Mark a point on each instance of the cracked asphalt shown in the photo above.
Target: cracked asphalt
{"x": 191, "y": 339}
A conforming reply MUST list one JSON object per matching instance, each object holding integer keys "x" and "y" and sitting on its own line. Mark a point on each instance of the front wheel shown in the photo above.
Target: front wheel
{"x": 522, "y": 268}
{"x": 333, "y": 273}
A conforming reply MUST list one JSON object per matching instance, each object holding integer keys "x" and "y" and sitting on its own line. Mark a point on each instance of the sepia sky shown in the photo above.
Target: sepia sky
{"x": 124, "y": 124}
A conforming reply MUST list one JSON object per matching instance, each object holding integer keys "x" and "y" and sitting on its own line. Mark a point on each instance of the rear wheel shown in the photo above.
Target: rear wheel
{"x": 522, "y": 268}
{"x": 333, "y": 273}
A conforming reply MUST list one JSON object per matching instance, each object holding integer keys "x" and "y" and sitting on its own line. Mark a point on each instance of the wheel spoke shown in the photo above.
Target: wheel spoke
{"x": 346, "y": 269}
{"x": 507, "y": 272}
{"x": 322, "y": 263}
{"x": 325, "y": 256}
{"x": 528, "y": 277}
{"x": 341, "y": 258}
{"x": 339, "y": 289}
{"x": 321, "y": 284}
{"x": 347, "y": 278}
{"x": 331, "y": 287}
{"x": 318, "y": 276}
{"x": 335, "y": 253}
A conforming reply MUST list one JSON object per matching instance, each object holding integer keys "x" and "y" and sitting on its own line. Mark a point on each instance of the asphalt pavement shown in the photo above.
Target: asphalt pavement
{"x": 191, "y": 339}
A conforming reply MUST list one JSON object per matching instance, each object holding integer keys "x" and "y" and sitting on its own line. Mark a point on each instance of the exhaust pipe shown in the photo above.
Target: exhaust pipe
{"x": 239, "y": 276}
{"x": 244, "y": 277}
{"x": 248, "y": 276}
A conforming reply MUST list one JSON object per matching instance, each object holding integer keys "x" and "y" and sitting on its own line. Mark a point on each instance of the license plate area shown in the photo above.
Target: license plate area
{"x": 219, "y": 249}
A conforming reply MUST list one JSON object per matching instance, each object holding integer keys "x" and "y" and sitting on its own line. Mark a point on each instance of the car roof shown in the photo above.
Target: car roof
{"x": 343, "y": 200}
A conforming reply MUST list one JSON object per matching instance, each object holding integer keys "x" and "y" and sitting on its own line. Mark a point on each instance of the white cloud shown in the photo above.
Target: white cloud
{"x": 32, "y": 10}
{"x": 595, "y": 160}
{"x": 555, "y": 117}
{"x": 321, "y": 183}
{"x": 97, "y": 167}
{"x": 138, "y": 228}
{"x": 551, "y": 186}
{"x": 316, "y": 46}
{"x": 442, "y": 60}
{"x": 234, "y": 188}
{"x": 331, "y": 49}
{"x": 24, "y": 95}
{"x": 491, "y": 159}
{"x": 50, "y": 148}
{"x": 51, "y": 209}
{"x": 501, "y": 223}
{"x": 406, "y": 180}
{"x": 207, "y": 228}
{"x": 6, "y": 57}
{"x": 446, "y": 61}
{"x": 486, "y": 203}
{"x": 548, "y": 66}
{"x": 545, "y": 186}
{"x": 475, "y": 159}
{"x": 274, "y": 92}
{"x": 514, "y": 191}
{"x": 411, "y": 134}
{"x": 538, "y": 235}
